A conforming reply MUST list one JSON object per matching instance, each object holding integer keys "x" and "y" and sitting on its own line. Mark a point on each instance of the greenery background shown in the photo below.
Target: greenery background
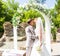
{"x": 10, "y": 9}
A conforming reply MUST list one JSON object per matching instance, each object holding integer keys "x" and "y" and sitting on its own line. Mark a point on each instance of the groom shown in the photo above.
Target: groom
{"x": 30, "y": 34}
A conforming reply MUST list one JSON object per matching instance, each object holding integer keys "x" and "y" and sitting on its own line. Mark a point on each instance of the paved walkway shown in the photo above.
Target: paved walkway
{"x": 55, "y": 47}
{"x": 10, "y": 45}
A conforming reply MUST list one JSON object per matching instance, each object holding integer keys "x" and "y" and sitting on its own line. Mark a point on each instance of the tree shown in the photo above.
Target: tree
{"x": 2, "y": 13}
{"x": 12, "y": 7}
{"x": 7, "y": 10}
{"x": 12, "y": 4}
{"x": 32, "y": 13}
{"x": 55, "y": 14}
{"x": 38, "y": 4}
{"x": 57, "y": 6}
{"x": 55, "y": 17}
{"x": 26, "y": 14}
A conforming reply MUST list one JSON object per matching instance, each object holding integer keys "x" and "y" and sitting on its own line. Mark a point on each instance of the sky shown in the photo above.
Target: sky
{"x": 49, "y": 3}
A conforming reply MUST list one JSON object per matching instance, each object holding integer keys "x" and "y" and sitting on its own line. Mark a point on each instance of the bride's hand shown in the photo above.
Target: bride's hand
{"x": 40, "y": 44}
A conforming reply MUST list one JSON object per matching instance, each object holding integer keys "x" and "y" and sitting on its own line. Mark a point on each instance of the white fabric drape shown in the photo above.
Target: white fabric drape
{"x": 39, "y": 28}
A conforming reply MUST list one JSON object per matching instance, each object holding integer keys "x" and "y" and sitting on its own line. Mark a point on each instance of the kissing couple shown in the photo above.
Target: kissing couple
{"x": 35, "y": 37}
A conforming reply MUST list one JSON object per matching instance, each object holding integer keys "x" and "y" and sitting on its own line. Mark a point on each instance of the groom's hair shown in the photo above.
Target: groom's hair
{"x": 29, "y": 20}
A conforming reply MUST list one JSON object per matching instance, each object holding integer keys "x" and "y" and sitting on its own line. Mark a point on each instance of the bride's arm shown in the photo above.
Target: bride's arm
{"x": 40, "y": 38}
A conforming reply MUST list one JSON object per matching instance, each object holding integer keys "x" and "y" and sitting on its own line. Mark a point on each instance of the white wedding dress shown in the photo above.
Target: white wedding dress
{"x": 37, "y": 43}
{"x": 34, "y": 51}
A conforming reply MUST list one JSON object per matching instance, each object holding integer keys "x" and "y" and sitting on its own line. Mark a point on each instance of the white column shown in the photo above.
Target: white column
{"x": 15, "y": 37}
{"x": 47, "y": 33}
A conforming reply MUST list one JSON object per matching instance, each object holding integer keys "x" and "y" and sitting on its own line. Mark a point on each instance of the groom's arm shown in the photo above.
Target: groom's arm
{"x": 30, "y": 34}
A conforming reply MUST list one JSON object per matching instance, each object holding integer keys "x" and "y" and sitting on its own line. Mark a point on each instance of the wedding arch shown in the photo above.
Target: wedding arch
{"x": 47, "y": 32}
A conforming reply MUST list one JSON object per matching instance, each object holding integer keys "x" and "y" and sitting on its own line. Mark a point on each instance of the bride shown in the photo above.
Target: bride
{"x": 37, "y": 47}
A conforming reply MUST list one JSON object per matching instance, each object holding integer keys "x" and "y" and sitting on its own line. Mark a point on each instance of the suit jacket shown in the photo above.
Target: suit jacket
{"x": 30, "y": 34}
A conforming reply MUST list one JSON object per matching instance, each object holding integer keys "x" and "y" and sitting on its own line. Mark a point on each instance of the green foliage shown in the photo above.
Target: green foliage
{"x": 55, "y": 17}
{"x": 36, "y": 6}
{"x": 1, "y": 24}
{"x": 16, "y": 19}
{"x": 58, "y": 21}
{"x": 2, "y": 17}
{"x": 55, "y": 14}
{"x": 7, "y": 10}
{"x": 53, "y": 31}
{"x": 57, "y": 6}
{"x": 30, "y": 11}
{"x": 12, "y": 4}
{"x": 25, "y": 15}
{"x": 30, "y": 14}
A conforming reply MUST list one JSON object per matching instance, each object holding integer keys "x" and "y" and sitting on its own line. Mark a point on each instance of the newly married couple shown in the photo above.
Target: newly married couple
{"x": 35, "y": 37}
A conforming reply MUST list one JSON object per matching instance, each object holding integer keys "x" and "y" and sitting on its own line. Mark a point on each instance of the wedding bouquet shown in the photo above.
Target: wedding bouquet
{"x": 38, "y": 48}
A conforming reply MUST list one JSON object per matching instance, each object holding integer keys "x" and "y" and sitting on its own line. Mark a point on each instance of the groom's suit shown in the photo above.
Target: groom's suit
{"x": 30, "y": 34}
